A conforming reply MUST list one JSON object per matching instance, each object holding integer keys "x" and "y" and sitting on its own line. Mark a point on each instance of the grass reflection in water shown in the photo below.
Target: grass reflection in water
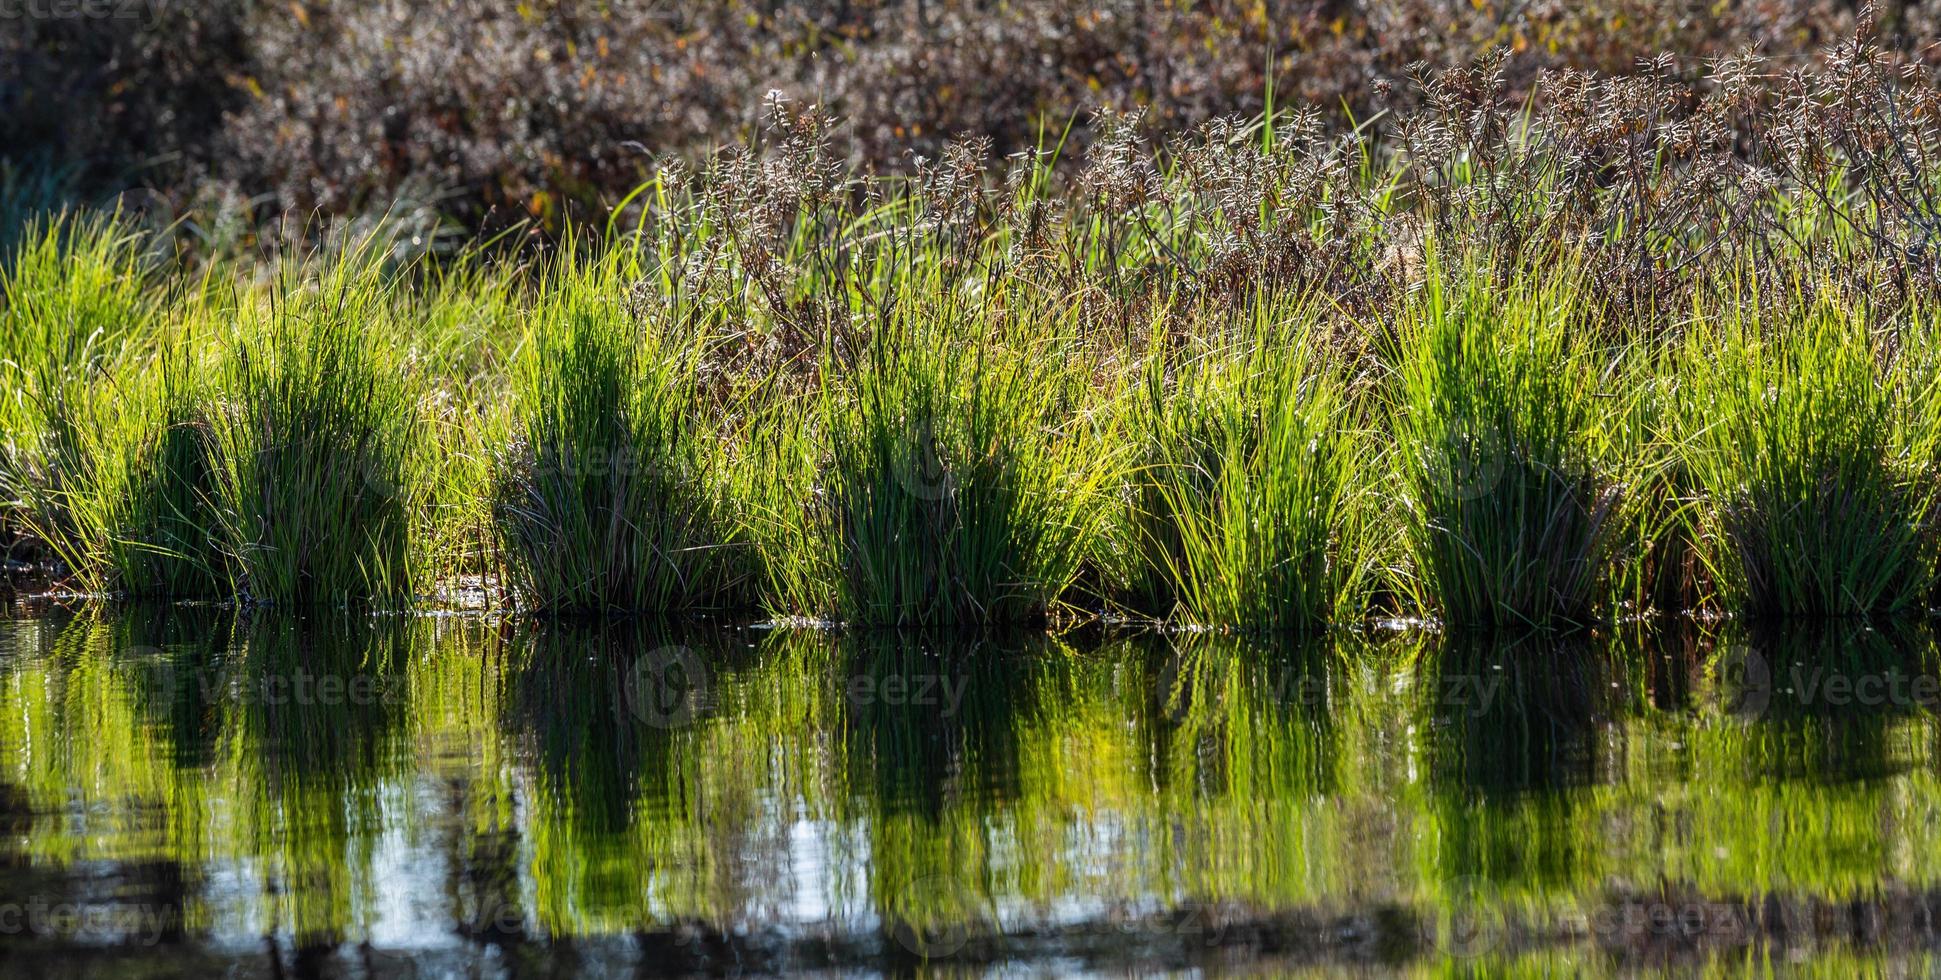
{"x": 209, "y": 786}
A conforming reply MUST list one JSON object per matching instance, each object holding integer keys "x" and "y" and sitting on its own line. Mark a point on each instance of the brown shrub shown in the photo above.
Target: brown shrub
{"x": 500, "y": 111}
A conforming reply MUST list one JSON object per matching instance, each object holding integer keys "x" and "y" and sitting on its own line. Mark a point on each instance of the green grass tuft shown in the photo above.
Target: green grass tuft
{"x": 319, "y": 434}
{"x": 949, "y": 498}
{"x": 164, "y": 537}
{"x": 1814, "y": 505}
{"x": 609, "y": 499}
{"x": 1243, "y": 509}
{"x": 77, "y": 307}
{"x": 142, "y": 519}
{"x": 1509, "y": 508}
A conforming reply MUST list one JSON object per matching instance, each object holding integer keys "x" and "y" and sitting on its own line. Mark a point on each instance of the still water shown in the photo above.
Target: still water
{"x": 190, "y": 791}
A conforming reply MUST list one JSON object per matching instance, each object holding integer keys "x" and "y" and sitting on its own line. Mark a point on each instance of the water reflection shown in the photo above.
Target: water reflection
{"x": 1828, "y": 701}
{"x": 1518, "y": 732}
{"x": 1237, "y": 717}
{"x": 1516, "y": 715}
{"x": 335, "y": 793}
{"x": 931, "y": 722}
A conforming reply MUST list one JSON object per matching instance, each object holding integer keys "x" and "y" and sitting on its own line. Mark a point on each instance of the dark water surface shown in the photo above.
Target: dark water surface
{"x": 191, "y": 792}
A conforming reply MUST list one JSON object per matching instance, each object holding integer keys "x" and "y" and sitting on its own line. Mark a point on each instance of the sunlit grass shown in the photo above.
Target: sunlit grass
{"x": 1510, "y": 502}
{"x": 951, "y": 495}
{"x": 1813, "y": 445}
{"x": 607, "y": 497}
{"x": 910, "y": 410}
{"x": 321, "y": 443}
{"x": 1246, "y": 486}
{"x": 76, "y": 299}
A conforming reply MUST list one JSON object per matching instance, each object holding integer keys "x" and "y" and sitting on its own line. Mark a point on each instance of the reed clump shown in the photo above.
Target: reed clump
{"x": 609, "y": 496}
{"x": 75, "y": 293}
{"x": 950, "y": 496}
{"x": 1811, "y": 444}
{"x": 149, "y": 509}
{"x": 1246, "y": 492}
{"x": 320, "y": 439}
{"x": 1509, "y": 505}
{"x": 109, "y": 449}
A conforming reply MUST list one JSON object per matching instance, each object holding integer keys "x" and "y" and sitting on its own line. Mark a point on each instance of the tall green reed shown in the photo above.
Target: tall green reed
{"x": 951, "y": 497}
{"x": 76, "y": 298}
{"x": 464, "y": 331}
{"x": 165, "y": 534}
{"x": 609, "y": 497}
{"x": 143, "y": 521}
{"x": 320, "y": 435}
{"x": 1810, "y": 443}
{"x": 1244, "y": 499}
{"x": 1509, "y": 503}
{"x": 775, "y": 488}
{"x": 1659, "y": 567}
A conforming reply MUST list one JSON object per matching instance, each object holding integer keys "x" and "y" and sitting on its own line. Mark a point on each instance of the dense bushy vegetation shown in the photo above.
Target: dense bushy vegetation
{"x": 1560, "y": 354}
{"x": 319, "y": 441}
{"x": 493, "y": 112}
{"x": 1246, "y": 495}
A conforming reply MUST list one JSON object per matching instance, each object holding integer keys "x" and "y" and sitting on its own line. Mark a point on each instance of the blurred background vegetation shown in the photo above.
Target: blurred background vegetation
{"x": 490, "y": 114}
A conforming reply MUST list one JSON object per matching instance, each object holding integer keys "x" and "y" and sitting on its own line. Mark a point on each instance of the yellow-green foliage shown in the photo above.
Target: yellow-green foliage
{"x": 321, "y": 442}
{"x": 1502, "y": 430}
{"x": 608, "y": 498}
{"x": 1245, "y": 494}
{"x": 1813, "y": 442}
{"x": 944, "y": 402}
{"x": 955, "y": 491}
